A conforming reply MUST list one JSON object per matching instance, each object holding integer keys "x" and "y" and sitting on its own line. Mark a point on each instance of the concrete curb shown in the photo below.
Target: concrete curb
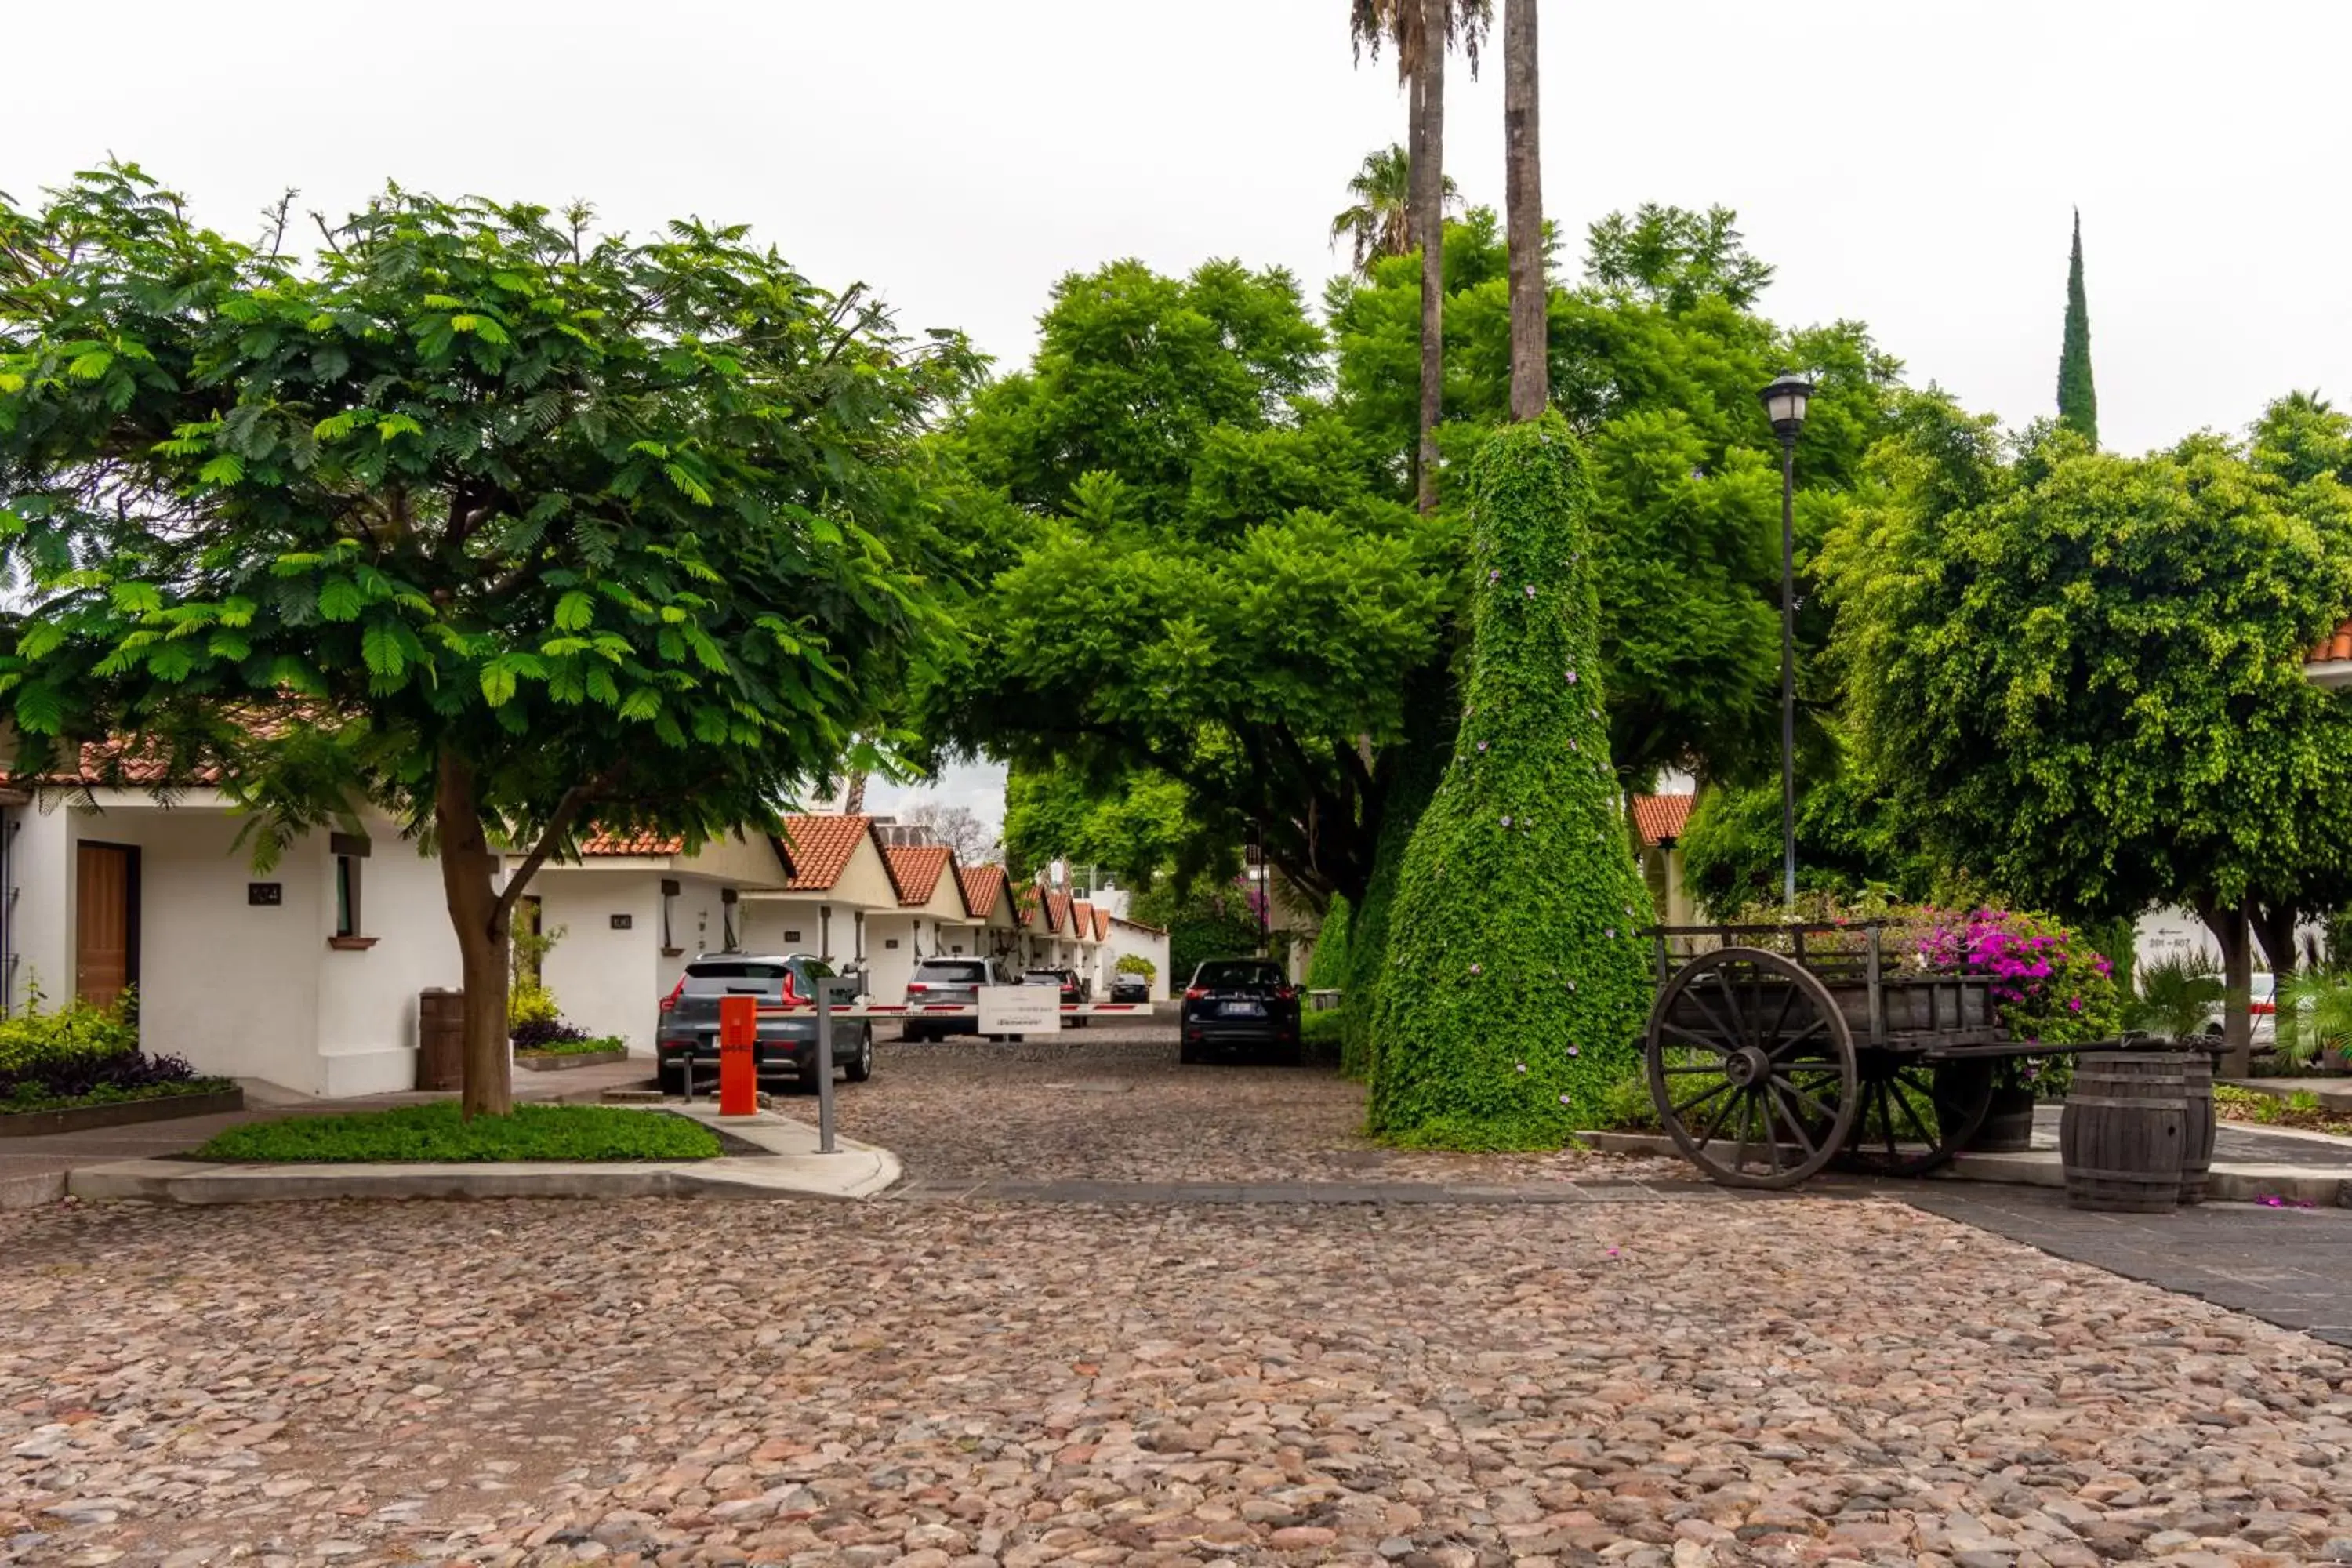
{"x": 2229, "y": 1183}
{"x": 31, "y": 1191}
{"x": 791, "y": 1169}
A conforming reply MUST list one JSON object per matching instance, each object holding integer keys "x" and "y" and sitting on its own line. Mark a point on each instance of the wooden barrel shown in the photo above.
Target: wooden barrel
{"x": 2196, "y": 1135}
{"x": 2125, "y": 1131}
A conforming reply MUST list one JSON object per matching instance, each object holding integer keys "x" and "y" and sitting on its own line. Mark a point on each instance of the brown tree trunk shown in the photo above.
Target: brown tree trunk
{"x": 853, "y": 797}
{"x": 479, "y": 916}
{"x": 1523, "y": 199}
{"x": 2274, "y": 928}
{"x": 1428, "y": 172}
{"x": 2230, "y": 929}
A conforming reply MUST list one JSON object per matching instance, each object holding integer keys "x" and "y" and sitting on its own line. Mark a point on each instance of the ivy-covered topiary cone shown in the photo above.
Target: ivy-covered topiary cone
{"x": 1516, "y": 984}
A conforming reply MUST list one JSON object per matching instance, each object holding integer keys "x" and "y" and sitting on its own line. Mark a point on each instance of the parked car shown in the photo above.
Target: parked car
{"x": 687, "y": 1030}
{"x": 2262, "y": 1009}
{"x": 946, "y": 980}
{"x": 1130, "y": 988}
{"x": 1239, "y": 1002}
{"x": 1074, "y": 989}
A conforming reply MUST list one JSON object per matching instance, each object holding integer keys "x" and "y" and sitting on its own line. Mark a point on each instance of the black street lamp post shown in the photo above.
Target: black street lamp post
{"x": 1784, "y": 404}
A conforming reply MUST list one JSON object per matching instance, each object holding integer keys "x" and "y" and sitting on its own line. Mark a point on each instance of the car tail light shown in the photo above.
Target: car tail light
{"x": 1193, "y": 992}
{"x": 793, "y": 997}
{"x": 1285, "y": 994}
{"x": 2262, "y": 1008}
{"x": 917, "y": 987}
{"x": 669, "y": 1003}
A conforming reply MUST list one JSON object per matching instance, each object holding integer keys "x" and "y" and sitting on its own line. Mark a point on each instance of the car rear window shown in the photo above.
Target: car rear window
{"x": 714, "y": 974}
{"x": 1225, "y": 974}
{"x": 966, "y": 974}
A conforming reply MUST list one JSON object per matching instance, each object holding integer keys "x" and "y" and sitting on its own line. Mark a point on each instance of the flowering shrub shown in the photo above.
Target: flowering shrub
{"x": 2048, "y": 986}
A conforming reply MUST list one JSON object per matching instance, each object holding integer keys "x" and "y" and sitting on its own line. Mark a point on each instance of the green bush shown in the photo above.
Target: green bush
{"x": 1328, "y": 970}
{"x": 1323, "y": 1031}
{"x": 1626, "y": 1106}
{"x": 37, "y": 1044}
{"x": 531, "y": 1003}
{"x": 1516, "y": 984}
{"x": 438, "y": 1135}
{"x": 1136, "y": 963}
{"x": 587, "y": 1046}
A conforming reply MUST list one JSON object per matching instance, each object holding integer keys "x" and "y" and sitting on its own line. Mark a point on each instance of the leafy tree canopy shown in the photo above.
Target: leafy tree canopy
{"x": 500, "y": 523}
{"x": 2082, "y": 674}
{"x": 1222, "y": 588}
{"x": 1656, "y": 362}
{"x": 1139, "y": 828}
{"x": 1850, "y": 842}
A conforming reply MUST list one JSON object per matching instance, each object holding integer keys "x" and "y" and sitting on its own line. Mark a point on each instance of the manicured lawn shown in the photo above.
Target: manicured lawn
{"x": 437, "y": 1133}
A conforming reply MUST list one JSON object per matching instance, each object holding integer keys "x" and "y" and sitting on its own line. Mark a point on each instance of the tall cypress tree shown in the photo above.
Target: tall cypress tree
{"x": 2078, "y": 400}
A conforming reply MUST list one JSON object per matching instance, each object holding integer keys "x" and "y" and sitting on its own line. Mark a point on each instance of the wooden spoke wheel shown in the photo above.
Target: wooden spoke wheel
{"x": 1752, "y": 1068}
{"x": 1913, "y": 1115}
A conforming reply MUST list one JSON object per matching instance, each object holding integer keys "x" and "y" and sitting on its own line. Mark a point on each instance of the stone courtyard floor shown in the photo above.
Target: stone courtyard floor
{"x": 1673, "y": 1376}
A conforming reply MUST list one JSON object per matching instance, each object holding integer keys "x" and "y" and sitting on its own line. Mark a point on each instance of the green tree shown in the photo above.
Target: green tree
{"x": 1379, "y": 221}
{"x": 502, "y": 525}
{"x": 1656, "y": 364}
{"x": 2082, "y": 674}
{"x": 1138, "y": 827}
{"x": 1849, "y": 840}
{"x": 1506, "y": 1033}
{"x": 1208, "y": 920}
{"x": 2078, "y": 399}
{"x": 1218, "y": 587}
{"x": 1327, "y": 969}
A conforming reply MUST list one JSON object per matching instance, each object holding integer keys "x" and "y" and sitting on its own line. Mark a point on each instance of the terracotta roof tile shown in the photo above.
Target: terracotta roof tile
{"x": 1661, "y": 818}
{"x": 1082, "y": 919}
{"x": 641, "y": 842}
{"x": 983, "y": 887}
{"x": 1058, "y": 911}
{"x": 2338, "y": 646}
{"x": 1102, "y": 923}
{"x": 818, "y": 848}
{"x": 916, "y": 868}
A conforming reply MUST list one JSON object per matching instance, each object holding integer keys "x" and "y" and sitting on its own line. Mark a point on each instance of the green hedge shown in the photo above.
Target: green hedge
{"x": 1515, "y": 983}
{"x": 1328, "y": 970}
{"x": 439, "y": 1133}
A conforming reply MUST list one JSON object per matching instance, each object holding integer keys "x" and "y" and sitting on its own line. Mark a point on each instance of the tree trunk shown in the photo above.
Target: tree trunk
{"x": 1523, "y": 198}
{"x": 2229, "y": 927}
{"x": 1428, "y": 172}
{"x": 2274, "y": 928}
{"x": 480, "y": 917}
{"x": 853, "y": 795}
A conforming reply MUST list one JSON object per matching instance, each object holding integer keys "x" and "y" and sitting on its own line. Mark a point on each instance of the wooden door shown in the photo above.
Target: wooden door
{"x": 105, "y": 900}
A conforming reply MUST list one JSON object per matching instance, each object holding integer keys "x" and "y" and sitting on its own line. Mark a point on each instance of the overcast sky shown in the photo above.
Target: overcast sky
{"x": 1910, "y": 164}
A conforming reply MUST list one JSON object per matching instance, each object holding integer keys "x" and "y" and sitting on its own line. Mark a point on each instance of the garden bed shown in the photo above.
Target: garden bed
{"x": 561, "y": 1058}
{"x": 119, "y": 1108}
{"x": 2304, "y": 1112}
{"x": 438, "y": 1135}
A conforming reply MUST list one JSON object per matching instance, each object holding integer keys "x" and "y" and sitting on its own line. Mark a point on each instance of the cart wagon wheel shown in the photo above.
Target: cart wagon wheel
{"x": 1913, "y": 1115}
{"x": 1752, "y": 1068}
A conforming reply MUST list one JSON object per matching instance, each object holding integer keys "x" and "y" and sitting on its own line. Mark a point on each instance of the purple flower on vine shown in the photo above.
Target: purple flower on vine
{"x": 1531, "y": 590}
{"x": 1572, "y": 677}
{"x": 1496, "y": 576}
{"x": 1523, "y": 1067}
{"x": 1571, "y": 1051}
{"x": 1611, "y": 933}
{"x": 1571, "y": 986}
{"x": 1506, "y": 822}
{"x": 1474, "y": 969}
{"x": 1482, "y": 745}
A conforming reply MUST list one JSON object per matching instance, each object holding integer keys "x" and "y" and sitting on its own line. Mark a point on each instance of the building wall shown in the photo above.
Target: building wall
{"x": 238, "y": 988}
{"x": 1150, "y": 944}
{"x": 605, "y": 980}
{"x": 2178, "y": 933}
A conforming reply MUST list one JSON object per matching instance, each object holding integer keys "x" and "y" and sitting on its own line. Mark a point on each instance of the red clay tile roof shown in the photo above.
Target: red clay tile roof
{"x": 1660, "y": 818}
{"x": 2338, "y": 646}
{"x": 1058, "y": 911}
{"x": 642, "y": 842}
{"x": 916, "y": 868}
{"x": 1102, "y": 923}
{"x": 983, "y": 887}
{"x": 818, "y": 848}
{"x": 1082, "y": 919}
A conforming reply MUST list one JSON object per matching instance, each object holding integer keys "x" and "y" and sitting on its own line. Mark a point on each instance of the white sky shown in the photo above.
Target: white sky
{"x": 1912, "y": 165}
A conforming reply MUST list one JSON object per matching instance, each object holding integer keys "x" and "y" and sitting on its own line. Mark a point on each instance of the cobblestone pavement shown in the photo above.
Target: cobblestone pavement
{"x": 1111, "y": 1104}
{"x": 944, "y": 1384}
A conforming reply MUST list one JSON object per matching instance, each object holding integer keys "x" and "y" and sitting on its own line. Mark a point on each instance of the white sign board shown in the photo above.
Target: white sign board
{"x": 1020, "y": 1009}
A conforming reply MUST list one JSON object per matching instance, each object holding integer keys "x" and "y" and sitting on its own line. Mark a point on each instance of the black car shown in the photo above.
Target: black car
{"x": 949, "y": 982}
{"x": 1239, "y": 1003}
{"x": 1073, "y": 989}
{"x": 687, "y": 1032}
{"x": 1130, "y": 988}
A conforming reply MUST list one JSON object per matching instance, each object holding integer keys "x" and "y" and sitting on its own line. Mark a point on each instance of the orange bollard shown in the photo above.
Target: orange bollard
{"x": 738, "y": 1074}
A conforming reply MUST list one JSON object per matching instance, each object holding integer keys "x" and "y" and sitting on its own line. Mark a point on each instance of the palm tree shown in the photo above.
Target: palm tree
{"x": 1523, "y": 206}
{"x": 1380, "y": 222}
{"x": 1409, "y": 25}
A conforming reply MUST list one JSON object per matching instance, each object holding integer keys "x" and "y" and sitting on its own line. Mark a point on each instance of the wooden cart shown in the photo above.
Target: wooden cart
{"x": 1766, "y": 1067}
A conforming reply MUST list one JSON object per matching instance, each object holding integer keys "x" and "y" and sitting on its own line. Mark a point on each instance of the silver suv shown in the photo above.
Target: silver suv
{"x": 950, "y": 981}
{"x": 688, "y": 1034}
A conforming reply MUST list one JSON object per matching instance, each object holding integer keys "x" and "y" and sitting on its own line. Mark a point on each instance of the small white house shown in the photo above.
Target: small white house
{"x": 838, "y": 877}
{"x": 931, "y": 919}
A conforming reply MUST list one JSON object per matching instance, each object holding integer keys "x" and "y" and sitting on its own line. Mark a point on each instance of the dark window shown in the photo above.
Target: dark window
{"x": 967, "y": 972}
{"x": 1218, "y": 976}
{"x": 719, "y": 971}
{"x": 347, "y": 895}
